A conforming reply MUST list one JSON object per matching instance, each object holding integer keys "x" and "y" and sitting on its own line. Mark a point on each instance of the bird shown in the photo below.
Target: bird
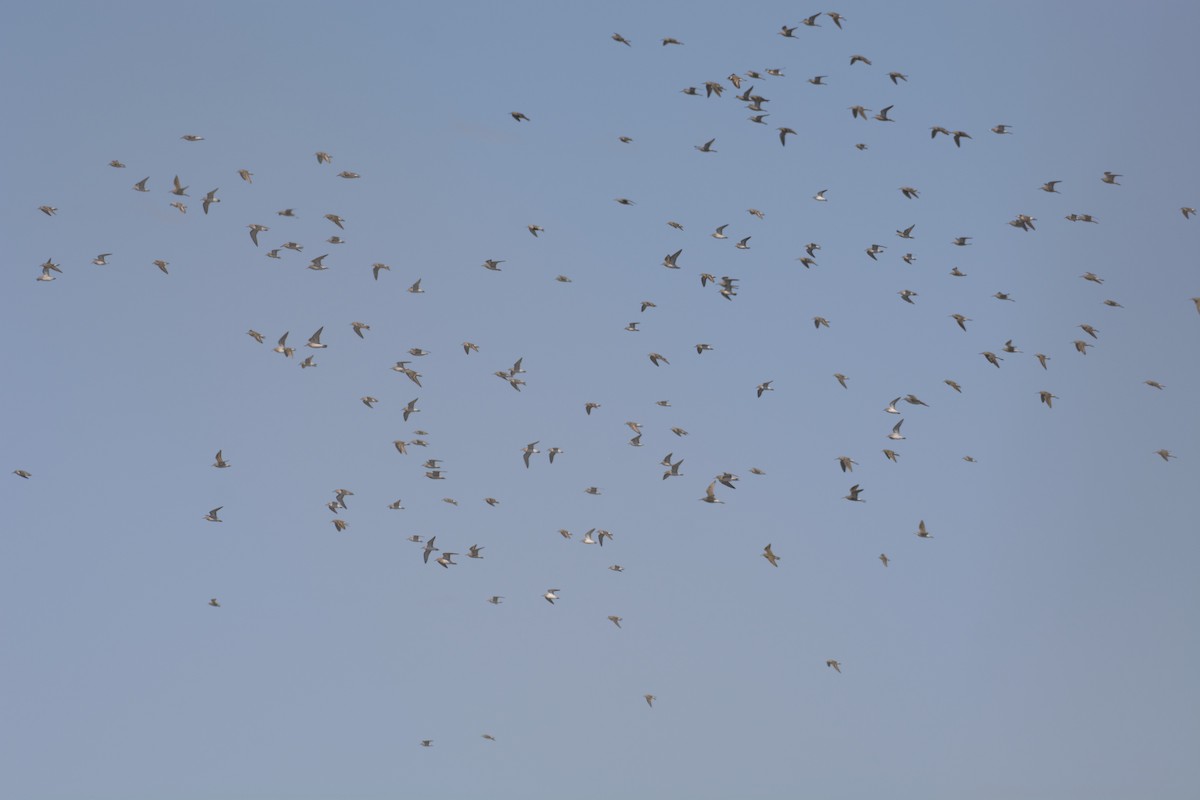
{"x": 906, "y": 295}
{"x": 191, "y": 137}
{"x": 909, "y": 192}
{"x": 396, "y": 506}
{"x": 496, "y": 599}
{"x": 719, "y": 233}
{"x": 140, "y": 186}
{"x": 616, "y": 37}
{"x": 895, "y": 434}
{"x": 787, "y": 32}
{"x": 921, "y": 532}
{"x": 220, "y": 463}
{"x": 20, "y": 473}
{"x": 209, "y": 199}
{"x": 836, "y": 17}
{"x": 709, "y": 495}
{"x": 101, "y": 260}
{"x": 255, "y": 335}
{"x": 554, "y": 451}
{"x": 961, "y": 241}
{"x": 446, "y": 560}
{"x": 179, "y": 189}
{"x": 819, "y": 321}
{"x": 493, "y": 264}
{"x": 625, "y": 201}
{"x": 837, "y": 665}
{"x": 657, "y": 357}
{"x": 992, "y": 358}
{"x": 764, "y": 387}
{"x": 882, "y": 116}
{"x": 488, "y": 736}
{"x": 427, "y": 743}
{"x": 853, "y": 497}
{"x": 1042, "y": 359}
{"x": 891, "y": 455}
{"x": 314, "y": 341}
{"x": 416, "y": 288}
{"x": 535, "y": 229}
{"x": 1089, "y": 330}
{"x": 246, "y": 175}
{"x": 411, "y": 408}
{"x": 1165, "y": 454}
{"x": 897, "y": 77}
{"x": 180, "y": 207}
{"x": 707, "y": 147}
{"x": 959, "y": 136}
{"x": 742, "y": 245}
{"x": 529, "y": 450}
{"x": 883, "y": 558}
{"x": 820, "y": 196}
{"x": 551, "y": 595}
{"x": 255, "y": 230}
{"x": 615, "y": 620}
{"x": 846, "y": 463}
{"x": 282, "y": 347}
{"x": 818, "y": 80}
{"x": 587, "y": 408}
{"x": 210, "y": 516}
{"x": 213, "y": 602}
{"x": 891, "y": 407}
{"x": 359, "y": 327}
{"x": 162, "y": 265}
{"x": 1091, "y": 276}
{"x": 1002, "y": 129}
{"x": 1048, "y": 186}
{"x": 859, "y": 59}
{"x": 841, "y": 379}
{"x": 1111, "y": 177}
{"x": 49, "y": 211}
{"x": 348, "y": 175}
{"x": 961, "y": 320}
{"x": 649, "y": 699}
{"x": 1047, "y": 398}
{"x": 783, "y": 132}
{"x": 1082, "y": 346}
{"x": 339, "y": 525}
{"x": 1154, "y": 384}
{"x": 669, "y": 261}
{"x": 953, "y": 385}
{"x": 116, "y": 164}
{"x": 429, "y": 548}
{"x": 1187, "y": 212}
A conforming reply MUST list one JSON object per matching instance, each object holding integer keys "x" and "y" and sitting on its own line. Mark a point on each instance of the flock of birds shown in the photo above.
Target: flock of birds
{"x": 727, "y": 287}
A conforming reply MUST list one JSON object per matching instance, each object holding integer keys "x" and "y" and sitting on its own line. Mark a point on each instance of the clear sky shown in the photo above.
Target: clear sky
{"x": 1042, "y": 644}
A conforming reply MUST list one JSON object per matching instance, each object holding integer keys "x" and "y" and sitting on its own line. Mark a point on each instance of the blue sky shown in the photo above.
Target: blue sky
{"x": 1041, "y": 645}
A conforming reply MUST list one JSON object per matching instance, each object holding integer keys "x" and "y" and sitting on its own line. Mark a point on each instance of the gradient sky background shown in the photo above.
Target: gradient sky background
{"x": 1042, "y": 645}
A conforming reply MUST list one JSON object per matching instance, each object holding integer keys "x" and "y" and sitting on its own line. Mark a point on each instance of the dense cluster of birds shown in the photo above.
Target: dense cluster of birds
{"x": 712, "y": 489}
